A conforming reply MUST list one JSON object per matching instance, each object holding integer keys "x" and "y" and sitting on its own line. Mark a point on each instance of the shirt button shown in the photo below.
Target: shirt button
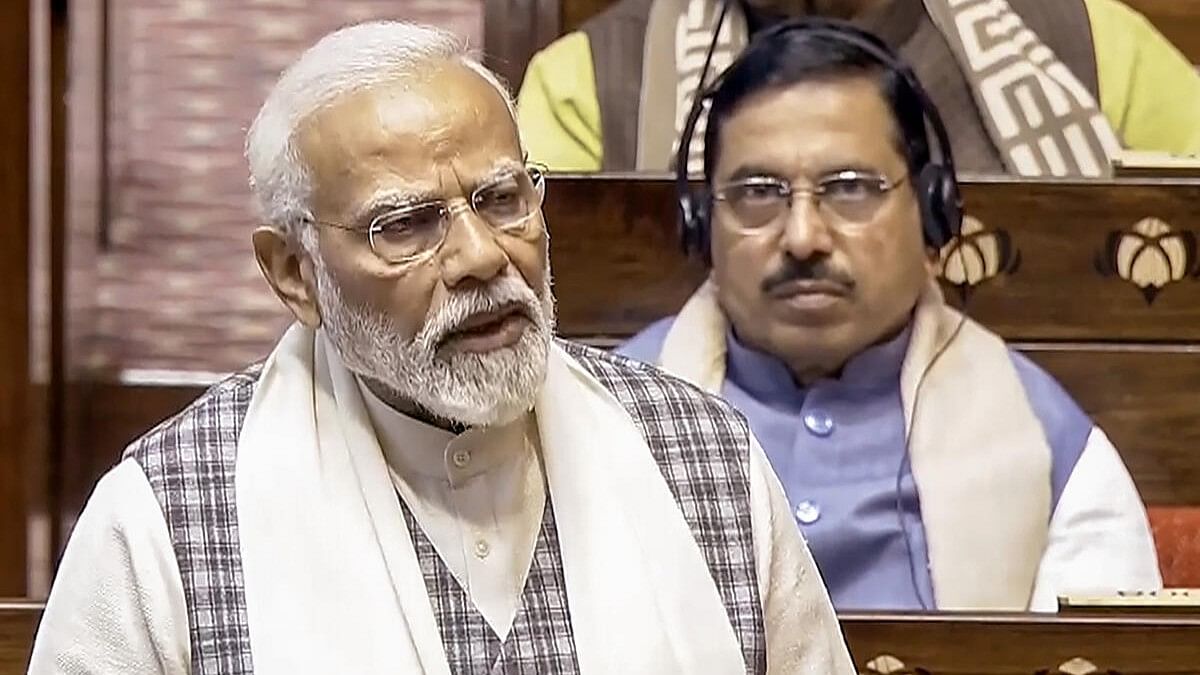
{"x": 482, "y": 549}
{"x": 807, "y": 513}
{"x": 818, "y": 422}
{"x": 461, "y": 458}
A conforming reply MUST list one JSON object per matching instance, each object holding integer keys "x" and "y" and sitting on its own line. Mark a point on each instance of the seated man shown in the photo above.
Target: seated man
{"x": 613, "y": 95}
{"x": 927, "y": 464}
{"x": 420, "y": 479}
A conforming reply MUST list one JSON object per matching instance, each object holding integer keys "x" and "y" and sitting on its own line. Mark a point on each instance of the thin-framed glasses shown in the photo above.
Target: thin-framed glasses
{"x": 849, "y": 196}
{"x": 411, "y": 233}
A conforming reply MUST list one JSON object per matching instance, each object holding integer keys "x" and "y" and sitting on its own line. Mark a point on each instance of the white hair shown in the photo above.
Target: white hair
{"x": 346, "y": 60}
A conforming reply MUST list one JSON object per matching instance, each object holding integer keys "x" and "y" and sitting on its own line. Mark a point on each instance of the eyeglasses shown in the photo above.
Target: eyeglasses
{"x": 410, "y": 234}
{"x": 850, "y": 196}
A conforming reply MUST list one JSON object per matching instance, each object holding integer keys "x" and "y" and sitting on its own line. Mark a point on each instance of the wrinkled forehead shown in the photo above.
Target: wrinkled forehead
{"x": 408, "y": 127}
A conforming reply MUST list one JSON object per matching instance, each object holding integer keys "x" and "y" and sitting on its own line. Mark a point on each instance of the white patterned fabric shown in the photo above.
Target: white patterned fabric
{"x": 1041, "y": 117}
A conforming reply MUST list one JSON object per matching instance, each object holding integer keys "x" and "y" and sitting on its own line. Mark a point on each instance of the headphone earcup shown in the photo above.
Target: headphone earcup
{"x": 694, "y": 213}
{"x": 704, "y": 229}
{"x": 687, "y": 225}
{"x": 940, "y": 204}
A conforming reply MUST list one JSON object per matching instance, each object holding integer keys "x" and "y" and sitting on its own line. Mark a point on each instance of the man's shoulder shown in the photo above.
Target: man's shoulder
{"x": 209, "y": 422}
{"x": 635, "y": 381}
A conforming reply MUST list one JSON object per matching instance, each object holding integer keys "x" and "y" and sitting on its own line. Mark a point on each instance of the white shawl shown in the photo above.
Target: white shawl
{"x": 332, "y": 580}
{"x": 980, "y": 459}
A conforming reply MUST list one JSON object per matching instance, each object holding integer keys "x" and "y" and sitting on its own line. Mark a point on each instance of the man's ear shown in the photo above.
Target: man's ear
{"x": 289, "y": 271}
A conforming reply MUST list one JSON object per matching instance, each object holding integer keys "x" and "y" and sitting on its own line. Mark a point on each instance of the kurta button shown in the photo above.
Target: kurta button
{"x": 807, "y": 513}
{"x": 482, "y": 549}
{"x": 818, "y": 422}
{"x": 461, "y": 458}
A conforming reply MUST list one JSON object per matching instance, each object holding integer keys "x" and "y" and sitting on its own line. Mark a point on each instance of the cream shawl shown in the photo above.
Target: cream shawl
{"x": 979, "y": 457}
{"x": 331, "y": 578}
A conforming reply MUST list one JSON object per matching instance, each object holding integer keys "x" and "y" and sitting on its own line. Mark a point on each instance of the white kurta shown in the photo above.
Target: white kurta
{"x": 118, "y": 604}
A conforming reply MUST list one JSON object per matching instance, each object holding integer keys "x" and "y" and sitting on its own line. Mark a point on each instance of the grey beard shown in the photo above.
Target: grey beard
{"x": 472, "y": 389}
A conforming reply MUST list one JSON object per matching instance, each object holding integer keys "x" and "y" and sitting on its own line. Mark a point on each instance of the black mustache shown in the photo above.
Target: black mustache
{"x": 809, "y": 269}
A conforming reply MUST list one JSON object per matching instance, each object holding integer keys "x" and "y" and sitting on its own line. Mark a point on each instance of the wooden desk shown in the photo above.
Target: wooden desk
{"x": 929, "y": 644}
{"x": 18, "y": 624}
{"x": 963, "y": 644}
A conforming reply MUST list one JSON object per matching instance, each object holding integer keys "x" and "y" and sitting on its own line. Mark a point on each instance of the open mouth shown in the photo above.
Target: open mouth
{"x": 488, "y": 331}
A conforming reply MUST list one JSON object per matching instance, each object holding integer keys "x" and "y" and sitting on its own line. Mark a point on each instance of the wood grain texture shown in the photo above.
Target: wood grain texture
{"x": 618, "y": 266}
{"x": 16, "y": 401}
{"x": 575, "y": 12}
{"x": 107, "y": 417}
{"x": 18, "y": 623}
{"x": 1147, "y": 400}
{"x": 948, "y": 644}
{"x": 514, "y": 30}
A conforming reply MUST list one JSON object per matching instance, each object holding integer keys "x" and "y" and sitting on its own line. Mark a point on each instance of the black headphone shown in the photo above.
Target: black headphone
{"x": 936, "y": 185}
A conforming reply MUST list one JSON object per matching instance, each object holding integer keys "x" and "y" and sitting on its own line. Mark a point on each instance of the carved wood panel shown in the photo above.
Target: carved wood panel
{"x": 1051, "y": 260}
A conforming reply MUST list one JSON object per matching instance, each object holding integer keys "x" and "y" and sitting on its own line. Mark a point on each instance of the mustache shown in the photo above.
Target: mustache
{"x": 460, "y": 306}
{"x": 809, "y": 269}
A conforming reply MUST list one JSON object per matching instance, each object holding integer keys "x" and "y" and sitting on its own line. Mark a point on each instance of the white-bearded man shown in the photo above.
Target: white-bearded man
{"x": 420, "y": 478}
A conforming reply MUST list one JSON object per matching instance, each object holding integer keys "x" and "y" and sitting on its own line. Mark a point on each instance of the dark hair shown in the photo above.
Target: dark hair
{"x": 794, "y": 56}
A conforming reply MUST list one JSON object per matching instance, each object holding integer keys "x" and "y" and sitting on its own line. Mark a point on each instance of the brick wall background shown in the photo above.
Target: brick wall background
{"x": 176, "y": 287}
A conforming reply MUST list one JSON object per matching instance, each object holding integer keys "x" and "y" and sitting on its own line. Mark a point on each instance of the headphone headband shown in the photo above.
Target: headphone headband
{"x": 937, "y": 187}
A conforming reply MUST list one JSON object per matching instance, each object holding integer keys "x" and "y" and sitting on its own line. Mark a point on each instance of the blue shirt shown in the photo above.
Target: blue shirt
{"x": 838, "y": 447}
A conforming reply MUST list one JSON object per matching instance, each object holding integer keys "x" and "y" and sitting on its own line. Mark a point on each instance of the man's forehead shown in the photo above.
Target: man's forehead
{"x": 826, "y": 124}
{"x": 449, "y": 116}
{"x": 449, "y": 103}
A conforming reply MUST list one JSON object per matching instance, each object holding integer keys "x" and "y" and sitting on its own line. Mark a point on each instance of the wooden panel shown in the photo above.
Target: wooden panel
{"x": 1179, "y": 21}
{"x": 575, "y": 12}
{"x": 108, "y": 417}
{"x": 618, "y": 266}
{"x": 18, "y": 623}
{"x": 15, "y": 388}
{"x": 947, "y": 644}
{"x": 513, "y": 31}
{"x": 1146, "y": 400}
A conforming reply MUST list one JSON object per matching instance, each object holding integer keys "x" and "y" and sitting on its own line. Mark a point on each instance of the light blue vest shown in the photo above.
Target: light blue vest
{"x": 838, "y": 448}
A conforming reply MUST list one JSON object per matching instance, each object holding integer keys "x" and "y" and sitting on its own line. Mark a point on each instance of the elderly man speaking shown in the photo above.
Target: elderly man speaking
{"x": 420, "y": 479}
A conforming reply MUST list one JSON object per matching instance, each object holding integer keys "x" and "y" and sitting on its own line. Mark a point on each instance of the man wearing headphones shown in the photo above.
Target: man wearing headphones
{"x": 613, "y": 95}
{"x": 927, "y": 464}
